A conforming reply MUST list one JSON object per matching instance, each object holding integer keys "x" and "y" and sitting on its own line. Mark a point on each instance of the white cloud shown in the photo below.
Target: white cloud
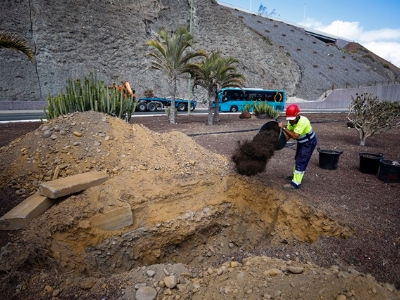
{"x": 388, "y": 50}
{"x": 348, "y": 30}
{"x": 383, "y": 42}
{"x": 380, "y": 35}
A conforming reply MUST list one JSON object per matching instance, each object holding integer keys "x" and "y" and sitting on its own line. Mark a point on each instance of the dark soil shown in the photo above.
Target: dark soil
{"x": 251, "y": 157}
{"x": 370, "y": 206}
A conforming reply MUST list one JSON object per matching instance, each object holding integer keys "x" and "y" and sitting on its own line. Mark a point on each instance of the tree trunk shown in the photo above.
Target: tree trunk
{"x": 363, "y": 138}
{"x": 172, "y": 107}
{"x": 216, "y": 111}
{"x": 210, "y": 113}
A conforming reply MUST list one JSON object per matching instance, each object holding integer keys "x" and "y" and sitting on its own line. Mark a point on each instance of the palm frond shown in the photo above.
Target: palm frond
{"x": 12, "y": 41}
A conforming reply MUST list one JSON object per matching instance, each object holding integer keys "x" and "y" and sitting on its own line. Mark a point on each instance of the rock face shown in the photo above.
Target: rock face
{"x": 72, "y": 39}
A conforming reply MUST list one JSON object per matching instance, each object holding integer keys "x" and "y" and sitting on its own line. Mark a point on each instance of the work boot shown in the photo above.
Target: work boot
{"x": 289, "y": 186}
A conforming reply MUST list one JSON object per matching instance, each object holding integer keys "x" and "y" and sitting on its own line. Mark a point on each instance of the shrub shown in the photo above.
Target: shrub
{"x": 369, "y": 56}
{"x": 92, "y": 94}
{"x": 148, "y": 94}
{"x": 371, "y": 117}
{"x": 267, "y": 40}
{"x": 263, "y": 107}
{"x": 247, "y": 107}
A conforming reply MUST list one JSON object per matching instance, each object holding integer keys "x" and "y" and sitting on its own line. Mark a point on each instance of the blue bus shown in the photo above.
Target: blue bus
{"x": 233, "y": 99}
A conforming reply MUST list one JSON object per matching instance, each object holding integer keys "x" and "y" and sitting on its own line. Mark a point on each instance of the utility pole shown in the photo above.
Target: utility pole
{"x": 189, "y": 79}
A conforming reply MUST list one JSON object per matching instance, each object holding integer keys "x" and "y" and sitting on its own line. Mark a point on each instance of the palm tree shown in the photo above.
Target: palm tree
{"x": 214, "y": 72}
{"x": 12, "y": 41}
{"x": 172, "y": 56}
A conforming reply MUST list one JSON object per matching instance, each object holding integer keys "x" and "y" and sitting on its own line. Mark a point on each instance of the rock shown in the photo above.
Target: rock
{"x": 170, "y": 281}
{"x": 146, "y": 293}
{"x": 295, "y": 270}
{"x": 272, "y": 272}
{"x": 140, "y": 285}
{"x": 77, "y": 133}
{"x": 48, "y": 289}
{"x": 88, "y": 283}
{"x": 47, "y": 134}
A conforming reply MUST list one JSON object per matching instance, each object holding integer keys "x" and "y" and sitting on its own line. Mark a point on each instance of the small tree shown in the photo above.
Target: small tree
{"x": 172, "y": 56}
{"x": 214, "y": 72}
{"x": 262, "y": 10}
{"x": 370, "y": 116}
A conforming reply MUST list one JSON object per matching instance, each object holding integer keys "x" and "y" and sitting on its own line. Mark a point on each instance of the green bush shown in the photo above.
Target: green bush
{"x": 247, "y": 107}
{"x": 91, "y": 94}
{"x": 263, "y": 107}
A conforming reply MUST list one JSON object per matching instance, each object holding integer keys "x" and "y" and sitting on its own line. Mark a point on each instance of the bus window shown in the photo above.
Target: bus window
{"x": 225, "y": 97}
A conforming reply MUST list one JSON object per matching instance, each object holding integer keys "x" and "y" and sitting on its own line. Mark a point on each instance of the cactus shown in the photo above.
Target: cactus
{"x": 91, "y": 94}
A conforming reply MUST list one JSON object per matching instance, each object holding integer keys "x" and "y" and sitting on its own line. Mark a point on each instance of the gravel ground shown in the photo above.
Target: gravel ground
{"x": 362, "y": 202}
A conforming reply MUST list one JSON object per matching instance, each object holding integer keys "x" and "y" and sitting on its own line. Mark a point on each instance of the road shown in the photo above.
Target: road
{"x": 38, "y": 115}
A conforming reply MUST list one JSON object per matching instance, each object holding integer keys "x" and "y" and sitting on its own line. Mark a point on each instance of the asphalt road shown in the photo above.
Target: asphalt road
{"x": 38, "y": 115}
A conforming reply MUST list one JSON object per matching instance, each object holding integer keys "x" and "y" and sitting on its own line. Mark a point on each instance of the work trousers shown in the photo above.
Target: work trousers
{"x": 302, "y": 158}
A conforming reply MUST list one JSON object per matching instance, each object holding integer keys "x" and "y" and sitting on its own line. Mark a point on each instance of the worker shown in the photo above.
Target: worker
{"x": 299, "y": 128}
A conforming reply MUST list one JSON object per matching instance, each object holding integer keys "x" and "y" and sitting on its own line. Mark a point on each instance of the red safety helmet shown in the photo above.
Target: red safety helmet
{"x": 292, "y": 111}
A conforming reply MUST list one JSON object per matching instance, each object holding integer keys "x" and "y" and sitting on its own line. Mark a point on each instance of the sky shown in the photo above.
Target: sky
{"x": 371, "y": 23}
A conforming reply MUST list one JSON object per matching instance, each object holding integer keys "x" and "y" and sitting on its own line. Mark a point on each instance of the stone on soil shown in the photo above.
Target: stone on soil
{"x": 72, "y": 184}
{"x": 26, "y": 211}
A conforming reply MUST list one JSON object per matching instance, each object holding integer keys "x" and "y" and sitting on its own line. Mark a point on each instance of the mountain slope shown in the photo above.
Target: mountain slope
{"x": 72, "y": 39}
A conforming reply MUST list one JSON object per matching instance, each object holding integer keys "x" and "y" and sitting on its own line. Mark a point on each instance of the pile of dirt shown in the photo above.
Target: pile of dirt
{"x": 194, "y": 220}
{"x": 90, "y": 141}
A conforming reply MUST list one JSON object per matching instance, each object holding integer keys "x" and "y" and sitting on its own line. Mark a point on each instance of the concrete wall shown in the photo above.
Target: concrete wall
{"x": 341, "y": 98}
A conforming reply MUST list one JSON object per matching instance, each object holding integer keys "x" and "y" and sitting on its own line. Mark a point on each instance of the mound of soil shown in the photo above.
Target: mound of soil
{"x": 200, "y": 230}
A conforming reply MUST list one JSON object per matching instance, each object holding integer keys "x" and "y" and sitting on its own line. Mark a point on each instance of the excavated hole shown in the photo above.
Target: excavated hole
{"x": 249, "y": 217}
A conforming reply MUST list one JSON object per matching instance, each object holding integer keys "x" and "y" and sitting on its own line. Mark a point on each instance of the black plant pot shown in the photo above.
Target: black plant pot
{"x": 273, "y": 125}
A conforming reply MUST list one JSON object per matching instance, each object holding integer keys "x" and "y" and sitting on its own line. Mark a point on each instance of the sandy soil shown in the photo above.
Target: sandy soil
{"x": 199, "y": 230}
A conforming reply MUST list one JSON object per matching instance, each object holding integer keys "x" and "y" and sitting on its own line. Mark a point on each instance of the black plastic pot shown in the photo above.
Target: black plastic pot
{"x": 328, "y": 159}
{"x": 369, "y": 162}
{"x": 389, "y": 171}
{"x": 273, "y": 125}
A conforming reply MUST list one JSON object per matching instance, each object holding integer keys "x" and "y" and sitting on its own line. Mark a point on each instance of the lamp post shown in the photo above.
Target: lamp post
{"x": 189, "y": 79}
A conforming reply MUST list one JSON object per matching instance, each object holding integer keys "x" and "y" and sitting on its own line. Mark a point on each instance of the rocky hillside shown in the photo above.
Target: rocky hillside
{"x": 72, "y": 39}
{"x": 323, "y": 65}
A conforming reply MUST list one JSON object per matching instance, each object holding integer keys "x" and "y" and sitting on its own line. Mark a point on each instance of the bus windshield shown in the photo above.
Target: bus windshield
{"x": 233, "y": 99}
